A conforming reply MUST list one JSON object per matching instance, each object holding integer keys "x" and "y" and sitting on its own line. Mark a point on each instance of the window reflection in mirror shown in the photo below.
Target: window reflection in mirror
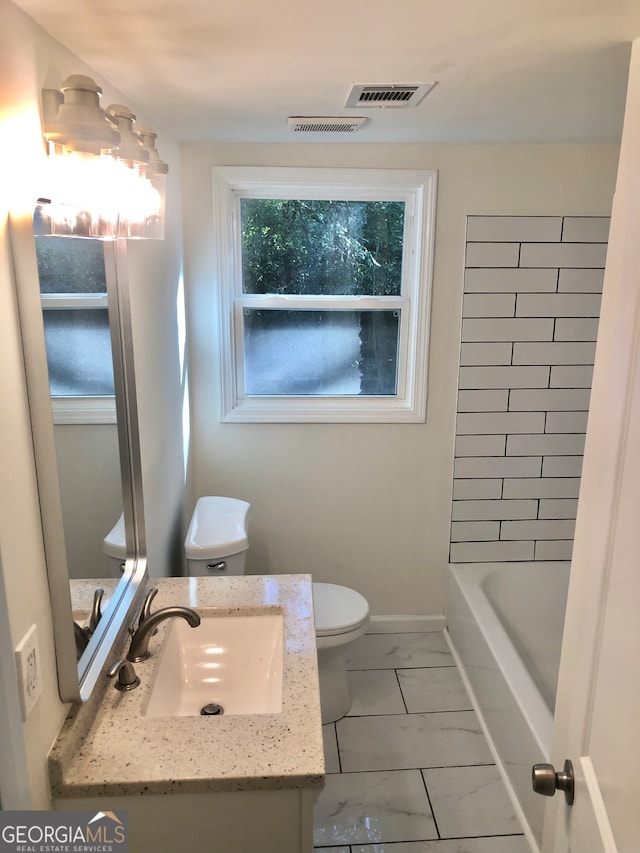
{"x": 73, "y": 293}
{"x": 73, "y": 290}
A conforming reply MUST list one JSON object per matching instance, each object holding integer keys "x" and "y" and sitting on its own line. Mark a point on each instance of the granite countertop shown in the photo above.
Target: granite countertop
{"x": 123, "y": 752}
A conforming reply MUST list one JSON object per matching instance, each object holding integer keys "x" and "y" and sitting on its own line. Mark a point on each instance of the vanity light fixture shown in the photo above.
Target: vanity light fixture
{"x": 156, "y": 172}
{"x": 102, "y": 176}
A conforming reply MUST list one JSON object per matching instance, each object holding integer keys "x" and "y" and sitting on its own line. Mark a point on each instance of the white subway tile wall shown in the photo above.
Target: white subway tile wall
{"x": 529, "y": 323}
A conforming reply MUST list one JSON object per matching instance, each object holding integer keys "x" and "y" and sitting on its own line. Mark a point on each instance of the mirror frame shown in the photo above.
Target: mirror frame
{"x": 76, "y": 681}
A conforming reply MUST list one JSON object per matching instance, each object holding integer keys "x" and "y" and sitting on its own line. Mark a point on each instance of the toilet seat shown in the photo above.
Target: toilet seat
{"x": 338, "y": 609}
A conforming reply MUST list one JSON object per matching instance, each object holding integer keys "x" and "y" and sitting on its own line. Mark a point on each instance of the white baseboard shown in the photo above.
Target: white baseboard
{"x": 405, "y": 624}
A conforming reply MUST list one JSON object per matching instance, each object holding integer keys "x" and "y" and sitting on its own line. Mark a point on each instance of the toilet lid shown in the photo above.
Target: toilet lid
{"x": 337, "y": 609}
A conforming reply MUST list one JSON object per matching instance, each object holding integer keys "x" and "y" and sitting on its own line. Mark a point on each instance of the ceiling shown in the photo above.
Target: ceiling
{"x": 507, "y": 70}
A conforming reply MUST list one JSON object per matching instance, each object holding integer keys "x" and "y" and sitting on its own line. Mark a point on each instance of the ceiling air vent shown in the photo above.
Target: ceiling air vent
{"x": 324, "y": 124}
{"x": 392, "y": 95}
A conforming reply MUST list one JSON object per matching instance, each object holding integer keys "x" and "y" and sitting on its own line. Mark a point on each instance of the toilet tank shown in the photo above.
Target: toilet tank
{"x": 216, "y": 542}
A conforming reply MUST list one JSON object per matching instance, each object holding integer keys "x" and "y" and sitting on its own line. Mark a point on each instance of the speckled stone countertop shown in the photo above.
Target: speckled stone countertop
{"x": 126, "y": 753}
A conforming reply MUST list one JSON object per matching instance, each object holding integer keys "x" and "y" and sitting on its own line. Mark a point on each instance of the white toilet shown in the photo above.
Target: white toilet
{"x": 217, "y": 543}
{"x": 341, "y": 616}
{"x": 114, "y": 545}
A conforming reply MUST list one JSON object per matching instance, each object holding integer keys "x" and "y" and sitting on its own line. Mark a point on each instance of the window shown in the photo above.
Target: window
{"x": 324, "y": 280}
{"x": 73, "y": 294}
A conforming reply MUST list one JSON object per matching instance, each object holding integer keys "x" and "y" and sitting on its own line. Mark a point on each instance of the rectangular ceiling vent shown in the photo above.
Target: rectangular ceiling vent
{"x": 392, "y": 95}
{"x": 324, "y": 124}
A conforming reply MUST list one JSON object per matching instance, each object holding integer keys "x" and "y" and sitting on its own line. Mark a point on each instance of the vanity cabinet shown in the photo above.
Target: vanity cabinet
{"x": 268, "y": 821}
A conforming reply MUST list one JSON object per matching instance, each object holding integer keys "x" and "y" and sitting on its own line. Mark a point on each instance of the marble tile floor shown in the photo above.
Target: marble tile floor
{"x": 408, "y": 769}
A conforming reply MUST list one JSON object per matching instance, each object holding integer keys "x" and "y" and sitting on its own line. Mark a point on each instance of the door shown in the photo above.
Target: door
{"x": 597, "y": 723}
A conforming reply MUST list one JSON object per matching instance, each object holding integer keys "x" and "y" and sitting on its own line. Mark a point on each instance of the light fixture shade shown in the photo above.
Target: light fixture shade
{"x": 79, "y": 123}
{"x": 156, "y": 171}
{"x": 130, "y": 147}
{"x": 104, "y": 178}
{"x": 148, "y": 137}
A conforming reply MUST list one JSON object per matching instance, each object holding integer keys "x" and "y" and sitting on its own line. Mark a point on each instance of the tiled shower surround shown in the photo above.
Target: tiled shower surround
{"x": 530, "y": 316}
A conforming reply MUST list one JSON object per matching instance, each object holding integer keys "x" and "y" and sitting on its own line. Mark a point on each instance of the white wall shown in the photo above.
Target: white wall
{"x": 366, "y": 505}
{"x": 91, "y": 493}
{"x": 155, "y": 270}
{"x": 29, "y": 60}
{"x": 20, "y": 533}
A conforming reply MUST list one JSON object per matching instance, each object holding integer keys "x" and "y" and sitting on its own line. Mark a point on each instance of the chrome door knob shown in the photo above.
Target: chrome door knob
{"x": 546, "y": 781}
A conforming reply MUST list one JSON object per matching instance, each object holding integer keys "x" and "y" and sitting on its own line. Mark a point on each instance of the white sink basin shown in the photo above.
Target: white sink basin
{"x": 232, "y": 661}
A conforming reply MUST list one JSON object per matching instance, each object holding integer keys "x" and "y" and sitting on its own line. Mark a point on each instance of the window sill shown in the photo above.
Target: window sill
{"x": 370, "y": 410}
{"x": 84, "y": 410}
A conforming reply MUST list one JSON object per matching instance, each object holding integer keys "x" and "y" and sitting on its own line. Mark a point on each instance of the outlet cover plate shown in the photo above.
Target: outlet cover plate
{"x": 28, "y": 665}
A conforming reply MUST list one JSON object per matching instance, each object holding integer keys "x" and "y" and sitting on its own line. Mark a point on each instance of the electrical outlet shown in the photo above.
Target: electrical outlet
{"x": 28, "y": 666}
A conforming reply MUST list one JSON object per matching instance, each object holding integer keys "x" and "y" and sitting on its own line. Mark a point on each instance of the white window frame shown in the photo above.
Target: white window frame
{"x": 80, "y": 409}
{"x": 418, "y": 190}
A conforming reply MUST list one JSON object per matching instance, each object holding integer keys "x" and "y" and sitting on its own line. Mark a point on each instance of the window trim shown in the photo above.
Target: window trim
{"x": 80, "y": 409}
{"x": 418, "y": 190}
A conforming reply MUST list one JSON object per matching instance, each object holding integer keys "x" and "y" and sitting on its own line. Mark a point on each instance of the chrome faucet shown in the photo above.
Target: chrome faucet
{"x": 139, "y": 649}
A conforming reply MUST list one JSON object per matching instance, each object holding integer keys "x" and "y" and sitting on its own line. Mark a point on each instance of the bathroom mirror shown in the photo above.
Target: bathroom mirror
{"x": 76, "y": 291}
{"x": 73, "y": 292}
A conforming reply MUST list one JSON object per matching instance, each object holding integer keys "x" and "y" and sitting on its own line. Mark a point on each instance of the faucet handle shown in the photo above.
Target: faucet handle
{"x": 127, "y": 678}
{"x": 82, "y": 638}
{"x": 96, "y": 610}
{"x": 146, "y": 607}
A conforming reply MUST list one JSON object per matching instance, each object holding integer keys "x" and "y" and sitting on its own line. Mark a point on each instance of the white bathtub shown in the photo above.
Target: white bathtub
{"x": 505, "y": 621}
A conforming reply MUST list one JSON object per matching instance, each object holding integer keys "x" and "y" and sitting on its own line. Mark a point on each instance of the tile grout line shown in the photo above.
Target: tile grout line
{"x": 421, "y": 767}
{"x": 435, "y": 666}
{"x": 413, "y": 713}
{"x": 404, "y": 702}
{"x": 433, "y": 814}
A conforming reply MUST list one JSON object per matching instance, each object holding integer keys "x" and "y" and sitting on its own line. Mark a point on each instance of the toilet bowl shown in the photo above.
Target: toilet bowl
{"x": 216, "y": 544}
{"x": 114, "y": 546}
{"x": 341, "y": 616}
